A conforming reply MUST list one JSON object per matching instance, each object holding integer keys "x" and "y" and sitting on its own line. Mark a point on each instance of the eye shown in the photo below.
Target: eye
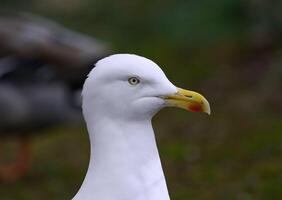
{"x": 133, "y": 81}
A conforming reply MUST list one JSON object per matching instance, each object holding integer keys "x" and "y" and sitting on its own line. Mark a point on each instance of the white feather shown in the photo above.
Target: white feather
{"x": 124, "y": 163}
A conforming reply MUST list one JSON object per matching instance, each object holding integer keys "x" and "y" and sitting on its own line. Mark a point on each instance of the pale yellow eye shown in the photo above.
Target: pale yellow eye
{"x": 133, "y": 81}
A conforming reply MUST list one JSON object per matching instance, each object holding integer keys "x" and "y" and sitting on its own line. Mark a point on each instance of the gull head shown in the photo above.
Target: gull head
{"x": 126, "y": 86}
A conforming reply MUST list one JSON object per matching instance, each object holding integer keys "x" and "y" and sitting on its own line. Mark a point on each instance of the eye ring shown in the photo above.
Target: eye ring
{"x": 133, "y": 81}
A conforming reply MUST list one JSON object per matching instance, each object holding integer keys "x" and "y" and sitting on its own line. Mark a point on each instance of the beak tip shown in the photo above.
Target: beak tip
{"x": 207, "y": 108}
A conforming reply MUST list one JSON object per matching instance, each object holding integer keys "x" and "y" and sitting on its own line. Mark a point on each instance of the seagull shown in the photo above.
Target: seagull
{"x": 119, "y": 98}
{"x": 42, "y": 70}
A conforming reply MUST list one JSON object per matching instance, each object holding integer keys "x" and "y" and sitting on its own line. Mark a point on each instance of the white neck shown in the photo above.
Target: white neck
{"x": 124, "y": 162}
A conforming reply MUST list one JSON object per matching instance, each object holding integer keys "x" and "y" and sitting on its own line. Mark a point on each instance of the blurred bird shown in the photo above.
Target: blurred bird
{"x": 124, "y": 162}
{"x": 42, "y": 68}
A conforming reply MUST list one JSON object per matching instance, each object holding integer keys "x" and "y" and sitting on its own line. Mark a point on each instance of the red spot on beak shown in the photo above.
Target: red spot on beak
{"x": 195, "y": 108}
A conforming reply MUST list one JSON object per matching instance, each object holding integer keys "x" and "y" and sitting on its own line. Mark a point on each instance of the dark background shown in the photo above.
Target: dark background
{"x": 228, "y": 50}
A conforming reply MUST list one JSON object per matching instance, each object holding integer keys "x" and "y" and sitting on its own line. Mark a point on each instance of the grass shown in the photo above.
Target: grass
{"x": 236, "y": 164}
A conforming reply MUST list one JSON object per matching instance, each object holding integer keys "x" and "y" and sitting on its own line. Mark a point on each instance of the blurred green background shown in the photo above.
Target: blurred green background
{"x": 229, "y": 50}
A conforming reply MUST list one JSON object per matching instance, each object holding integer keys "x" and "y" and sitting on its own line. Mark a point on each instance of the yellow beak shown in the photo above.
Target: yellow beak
{"x": 188, "y": 100}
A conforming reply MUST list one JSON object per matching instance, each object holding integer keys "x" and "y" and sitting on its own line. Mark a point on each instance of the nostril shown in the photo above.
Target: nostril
{"x": 189, "y": 96}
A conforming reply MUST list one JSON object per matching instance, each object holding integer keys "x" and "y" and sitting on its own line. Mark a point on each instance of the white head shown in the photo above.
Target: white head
{"x": 131, "y": 86}
{"x": 120, "y": 96}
